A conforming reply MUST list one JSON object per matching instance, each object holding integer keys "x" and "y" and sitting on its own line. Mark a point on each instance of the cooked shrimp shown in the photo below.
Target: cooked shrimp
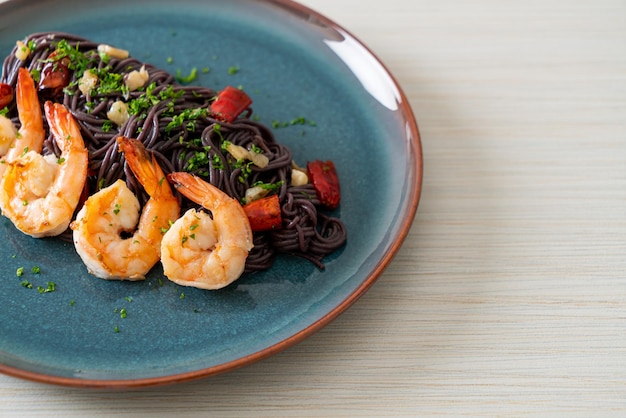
{"x": 8, "y": 133}
{"x": 39, "y": 194}
{"x": 31, "y": 134}
{"x": 205, "y": 252}
{"x": 110, "y": 236}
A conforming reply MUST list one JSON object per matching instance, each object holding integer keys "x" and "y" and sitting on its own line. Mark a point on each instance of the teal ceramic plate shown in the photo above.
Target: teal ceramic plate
{"x": 293, "y": 62}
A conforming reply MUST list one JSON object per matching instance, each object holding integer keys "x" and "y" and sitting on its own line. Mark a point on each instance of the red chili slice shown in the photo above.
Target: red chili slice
{"x": 6, "y": 95}
{"x": 264, "y": 214}
{"x": 230, "y": 103}
{"x": 324, "y": 178}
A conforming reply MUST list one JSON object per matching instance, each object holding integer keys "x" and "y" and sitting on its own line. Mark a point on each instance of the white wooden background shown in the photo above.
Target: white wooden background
{"x": 509, "y": 295}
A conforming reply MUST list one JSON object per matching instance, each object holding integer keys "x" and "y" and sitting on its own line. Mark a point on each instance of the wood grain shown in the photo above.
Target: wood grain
{"x": 508, "y": 297}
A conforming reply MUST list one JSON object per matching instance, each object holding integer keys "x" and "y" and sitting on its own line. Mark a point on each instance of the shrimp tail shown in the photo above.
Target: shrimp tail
{"x": 196, "y": 189}
{"x": 144, "y": 166}
{"x": 67, "y": 135}
{"x": 29, "y": 110}
{"x": 31, "y": 134}
{"x": 63, "y": 126}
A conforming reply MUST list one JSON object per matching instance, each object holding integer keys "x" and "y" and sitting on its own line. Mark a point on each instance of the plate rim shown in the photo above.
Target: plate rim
{"x": 414, "y": 188}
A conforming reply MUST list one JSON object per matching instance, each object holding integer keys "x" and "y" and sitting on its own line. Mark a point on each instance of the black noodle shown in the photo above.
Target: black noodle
{"x": 168, "y": 123}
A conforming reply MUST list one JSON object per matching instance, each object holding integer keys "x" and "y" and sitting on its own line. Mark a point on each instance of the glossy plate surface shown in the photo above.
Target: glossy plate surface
{"x": 294, "y": 63}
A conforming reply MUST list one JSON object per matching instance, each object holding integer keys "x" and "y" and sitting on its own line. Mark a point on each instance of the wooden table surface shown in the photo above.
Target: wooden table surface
{"x": 508, "y": 297}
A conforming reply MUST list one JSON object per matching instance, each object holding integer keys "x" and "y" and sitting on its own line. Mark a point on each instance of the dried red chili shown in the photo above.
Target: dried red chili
{"x": 323, "y": 176}
{"x": 55, "y": 75}
{"x": 6, "y": 94}
{"x": 230, "y": 103}
{"x": 264, "y": 214}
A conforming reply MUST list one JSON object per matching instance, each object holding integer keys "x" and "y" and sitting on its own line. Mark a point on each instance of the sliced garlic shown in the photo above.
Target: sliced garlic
{"x": 22, "y": 51}
{"x": 237, "y": 151}
{"x": 87, "y": 82}
{"x": 136, "y": 79}
{"x": 118, "y": 113}
{"x": 241, "y": 153}
{"x": 255, "y": 193}
{"x": 260, "y": 160}
{"x": 112, "y": 51}
{"x": 299, "y": 177}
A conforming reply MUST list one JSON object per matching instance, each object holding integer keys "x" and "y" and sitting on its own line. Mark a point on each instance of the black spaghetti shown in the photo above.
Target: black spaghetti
{"x": 176, "y": 123}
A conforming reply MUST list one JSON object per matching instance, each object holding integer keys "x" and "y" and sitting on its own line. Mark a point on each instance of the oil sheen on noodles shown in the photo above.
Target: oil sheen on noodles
{"x": 167, "y": 119}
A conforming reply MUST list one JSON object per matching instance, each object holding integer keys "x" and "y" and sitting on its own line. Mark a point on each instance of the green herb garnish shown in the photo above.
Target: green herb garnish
{"x": 188, "y": 78}
{"x": 50, "y": 287}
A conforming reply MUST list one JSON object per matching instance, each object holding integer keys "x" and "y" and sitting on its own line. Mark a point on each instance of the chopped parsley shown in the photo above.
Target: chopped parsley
{"x": 272, "y": 187}
{"x": 186, "y": 119}
{"x": 50, "y": 287}
{"x": 78, "y": 61}
{"x": 35, "y": 73}
{"x": 107, "y": 125}
{"x": 188, "y": 78}
{"x": 110, "y": 82}
{"x": 145, "y": 101}
{"x": 198, "y": 160}
{"x": 246, "y": 169}
{"x": 104, "y": 57}
{"x": 32, "y": 45}
{"x": 217, "y": 128}
{"x": 218, "y": 163}
{"x": 300, "y": 120}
